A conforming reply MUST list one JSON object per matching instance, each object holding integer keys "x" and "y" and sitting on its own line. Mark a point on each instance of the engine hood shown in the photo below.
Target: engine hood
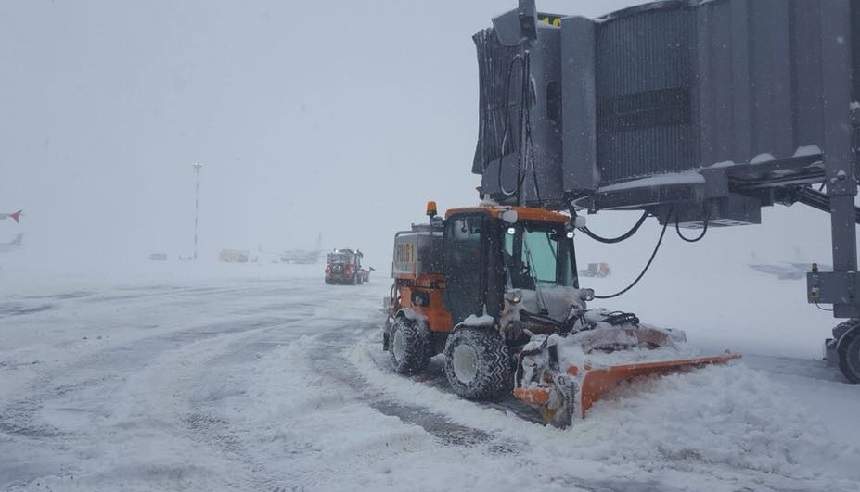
{"x": 556, "y": 299}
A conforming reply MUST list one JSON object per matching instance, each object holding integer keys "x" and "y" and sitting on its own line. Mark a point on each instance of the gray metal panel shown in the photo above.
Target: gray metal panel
{"x": 545, "y": 62}
{"x": 832, "y": 287}
{"x": 724, "y": 120}
{"x": 770, "y": 74}
{"x": 645, "y": 68}
{"x": 741, "y": 84}
{"x": 806, "y": 75}
{"x": 579, "y": 97}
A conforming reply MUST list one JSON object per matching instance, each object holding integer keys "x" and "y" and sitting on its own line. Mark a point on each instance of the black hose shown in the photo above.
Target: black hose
{"x": 647, "y": 265}
{"x": 507, "y": 128}
{"x": 617, "y": 239}
{"x": 696, "y": 239}
{"x": 526, "y": 141}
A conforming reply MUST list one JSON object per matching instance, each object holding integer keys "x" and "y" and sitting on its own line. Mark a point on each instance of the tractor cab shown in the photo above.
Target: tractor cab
{"x": 494, "y": 256}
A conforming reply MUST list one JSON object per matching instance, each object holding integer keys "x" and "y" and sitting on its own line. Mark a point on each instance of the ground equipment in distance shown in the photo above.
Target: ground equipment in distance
{"x": 343, "y": 266}
{"x": 600, "y": 270}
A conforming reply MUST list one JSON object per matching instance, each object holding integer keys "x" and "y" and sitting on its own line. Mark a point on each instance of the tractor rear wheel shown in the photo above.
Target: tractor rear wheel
{"x": 478, "y": 363}
{"x": 849, "y": 350}
{"x": 409, "y": 347}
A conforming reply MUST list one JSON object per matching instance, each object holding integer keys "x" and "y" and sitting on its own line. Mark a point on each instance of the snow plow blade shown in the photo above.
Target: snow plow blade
{"x": 575, "y": 392}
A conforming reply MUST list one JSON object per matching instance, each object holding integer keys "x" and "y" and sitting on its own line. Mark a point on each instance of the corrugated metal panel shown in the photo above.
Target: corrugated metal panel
{"x": 645, "y": 68}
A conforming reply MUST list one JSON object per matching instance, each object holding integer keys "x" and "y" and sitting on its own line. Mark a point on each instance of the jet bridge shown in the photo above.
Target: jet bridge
{"x": 700, "y": 112}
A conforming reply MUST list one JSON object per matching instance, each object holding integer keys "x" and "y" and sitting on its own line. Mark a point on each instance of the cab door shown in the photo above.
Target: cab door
{"x": 465, "y": 264}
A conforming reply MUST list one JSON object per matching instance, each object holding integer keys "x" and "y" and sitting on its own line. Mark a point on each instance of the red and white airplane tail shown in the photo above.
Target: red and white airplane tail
{"x": 16, "y": 216}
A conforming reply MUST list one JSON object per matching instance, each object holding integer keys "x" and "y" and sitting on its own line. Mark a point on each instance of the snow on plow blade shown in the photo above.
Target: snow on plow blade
{"x": 575, "y": 393}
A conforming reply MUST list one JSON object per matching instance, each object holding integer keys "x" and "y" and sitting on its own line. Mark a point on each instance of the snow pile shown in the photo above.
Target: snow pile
{"x": 571, "y": 353}
{"x": 719, "y": 415}
{"x": 483, "y": 320}
{"x": 676, "y": 178}
{"x": 727, "y": 423}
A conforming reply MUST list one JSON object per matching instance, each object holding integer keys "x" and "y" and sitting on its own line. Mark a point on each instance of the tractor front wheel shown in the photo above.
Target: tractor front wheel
{"x": 478, "y": 363}
{"x": 409, "y": 347}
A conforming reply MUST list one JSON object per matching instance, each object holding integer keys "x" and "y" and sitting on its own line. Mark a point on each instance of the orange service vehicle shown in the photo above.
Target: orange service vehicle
{"x": 495, "y": 291}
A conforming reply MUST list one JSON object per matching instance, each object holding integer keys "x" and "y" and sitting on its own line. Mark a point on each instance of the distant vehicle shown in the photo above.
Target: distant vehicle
{"x": 303, "y": 256}
{"x": 596, "y": 270}
{"x": 158, "y": 257}
{"x": 343, "y": 266}
{"x": 300, "y": 256}
{"x": 234, "y": 255}
{"x": 16, "y": 216}
{"x": 12, "y": 246}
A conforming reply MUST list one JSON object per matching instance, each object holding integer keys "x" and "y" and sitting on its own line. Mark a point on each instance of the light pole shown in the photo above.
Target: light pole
{"x": 196, "y": 166}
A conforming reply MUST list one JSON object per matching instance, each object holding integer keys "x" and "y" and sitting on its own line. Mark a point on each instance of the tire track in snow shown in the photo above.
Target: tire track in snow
{"x": 327, "y": 358}
{"x": 104, "y": 372}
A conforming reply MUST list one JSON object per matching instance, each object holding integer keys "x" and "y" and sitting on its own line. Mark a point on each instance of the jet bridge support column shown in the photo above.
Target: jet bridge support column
{"x": 841, "y": 287}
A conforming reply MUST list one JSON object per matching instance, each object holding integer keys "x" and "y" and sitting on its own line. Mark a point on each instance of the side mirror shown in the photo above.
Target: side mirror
{"x": 586, "y": 294}
{"x": 371, "y": 269}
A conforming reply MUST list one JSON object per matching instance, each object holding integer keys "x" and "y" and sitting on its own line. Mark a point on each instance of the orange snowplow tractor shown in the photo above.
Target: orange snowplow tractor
{"x": 523, "y": 213}
{"x": 438, "y": 317}
{"x": 598, "y": 382}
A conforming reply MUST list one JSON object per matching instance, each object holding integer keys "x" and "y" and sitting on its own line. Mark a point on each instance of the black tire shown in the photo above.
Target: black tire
{"x": 409, "y": 347}
{"x": 844, "y": 327}
{"x": 849, "y": 356}
{"x": 483, "y": 351}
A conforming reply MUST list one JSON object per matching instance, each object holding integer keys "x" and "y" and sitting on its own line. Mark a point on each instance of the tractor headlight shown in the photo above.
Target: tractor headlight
{"x": 514, "y": 297}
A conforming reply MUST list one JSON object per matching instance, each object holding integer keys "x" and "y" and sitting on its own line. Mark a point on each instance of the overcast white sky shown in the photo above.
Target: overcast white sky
{"x": 332, "y": 117}
{"x": 336, "y": 117}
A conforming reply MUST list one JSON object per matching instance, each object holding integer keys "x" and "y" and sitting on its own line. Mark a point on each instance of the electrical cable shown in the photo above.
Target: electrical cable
{"x": 647, "y": 265}
{"x": 526, "y": 139}
{"x": 527, "y": 146}
{"x": 617, "y": 239}
{"x": 696, "y": 239}
{"x": 506, "y": 121}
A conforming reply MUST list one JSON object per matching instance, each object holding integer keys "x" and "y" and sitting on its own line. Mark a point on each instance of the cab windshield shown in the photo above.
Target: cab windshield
{"x": 538, "y": 254}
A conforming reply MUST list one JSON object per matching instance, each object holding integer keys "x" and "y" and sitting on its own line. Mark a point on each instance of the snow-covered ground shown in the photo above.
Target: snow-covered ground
{"x": 264, "y": 378}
